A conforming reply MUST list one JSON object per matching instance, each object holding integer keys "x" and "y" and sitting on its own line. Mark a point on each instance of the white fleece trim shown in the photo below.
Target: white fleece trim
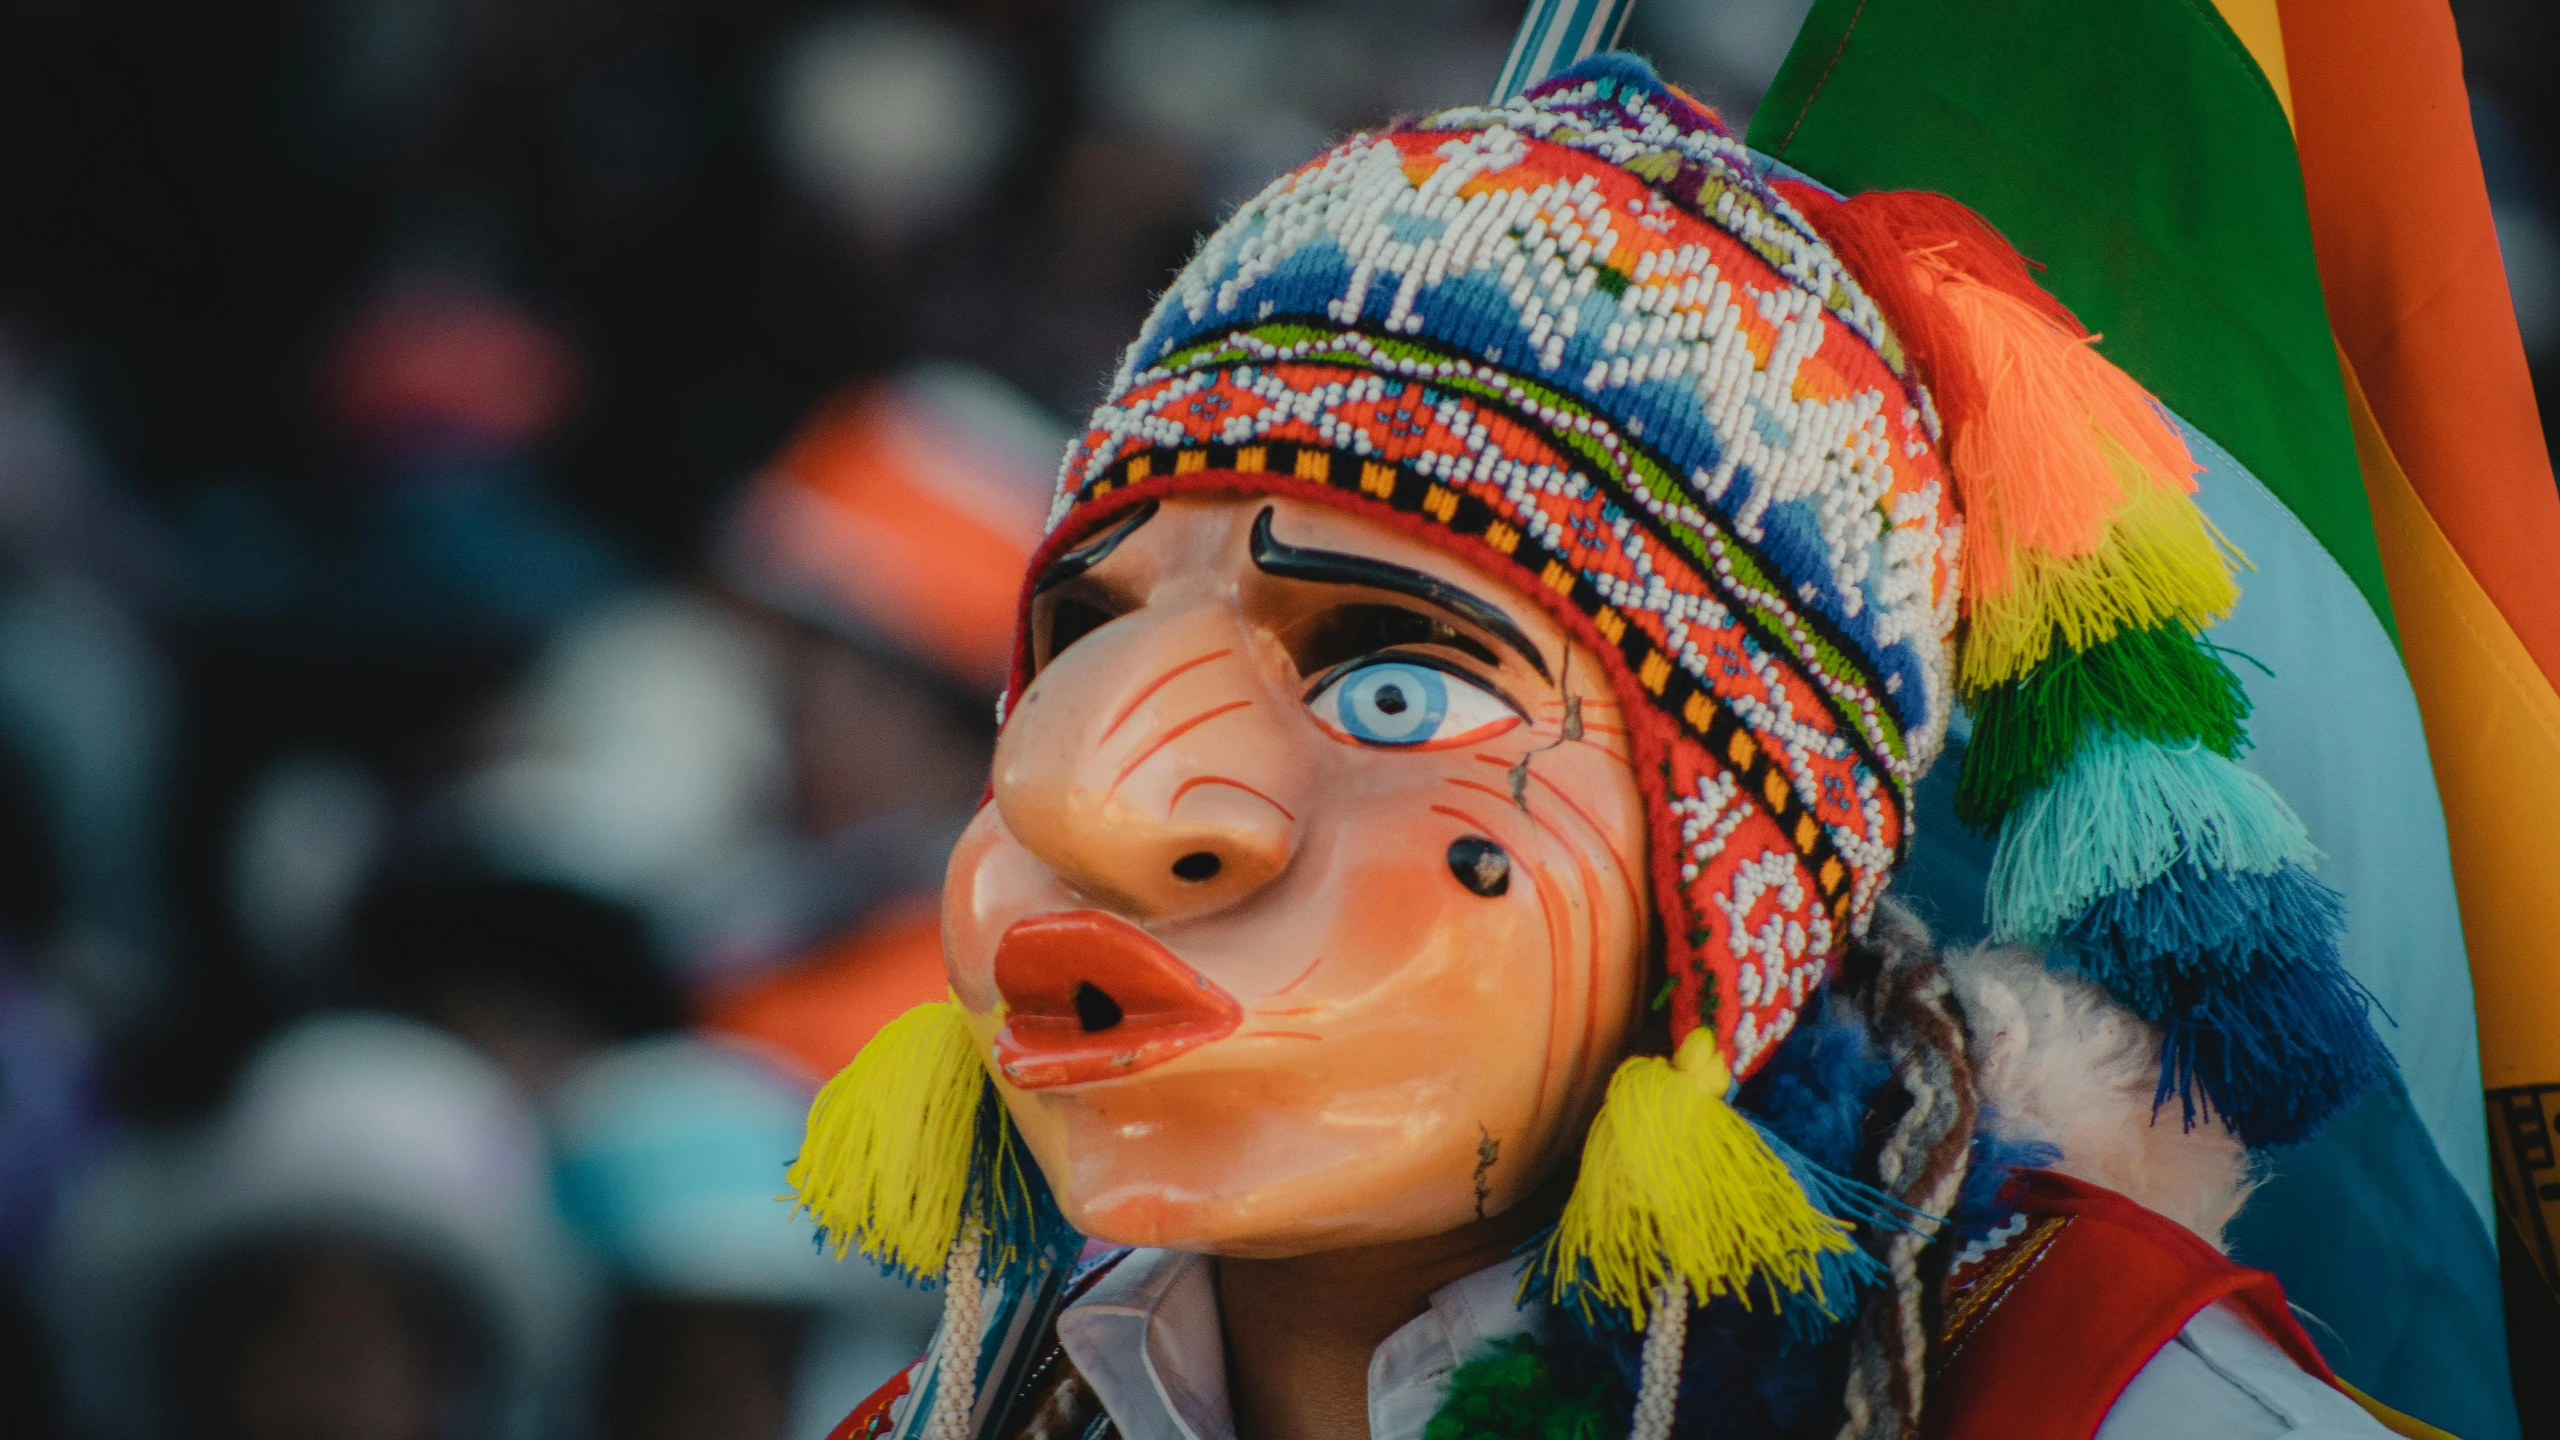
{"x": 2058, "y": 1060}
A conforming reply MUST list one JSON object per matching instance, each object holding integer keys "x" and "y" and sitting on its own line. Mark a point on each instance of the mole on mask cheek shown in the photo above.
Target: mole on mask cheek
{"x": 1480, "y": 865}
{"x": 1342, "y": 970}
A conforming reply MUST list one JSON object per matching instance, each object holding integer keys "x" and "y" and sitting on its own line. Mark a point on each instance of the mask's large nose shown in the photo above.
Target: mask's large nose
{"x": 1150, "y": 767}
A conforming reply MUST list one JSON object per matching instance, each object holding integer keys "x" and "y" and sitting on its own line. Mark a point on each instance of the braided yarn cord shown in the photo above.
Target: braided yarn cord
{"x": 1658, "y": 1396}
{"x": 955, "y": 1358}
{"x": 1922, "y": 1164}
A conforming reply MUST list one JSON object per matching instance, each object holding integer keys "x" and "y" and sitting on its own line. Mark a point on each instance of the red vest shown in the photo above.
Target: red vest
{"x": 2043, "y": 1333}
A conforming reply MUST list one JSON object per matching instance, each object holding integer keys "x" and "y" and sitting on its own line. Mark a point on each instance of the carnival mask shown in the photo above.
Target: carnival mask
{"x": 1313, "y": 905}
{"x": 1309, "y": 909}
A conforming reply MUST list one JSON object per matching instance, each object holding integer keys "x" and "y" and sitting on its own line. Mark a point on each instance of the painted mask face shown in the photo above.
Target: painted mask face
{"x": 1274, "y": 941}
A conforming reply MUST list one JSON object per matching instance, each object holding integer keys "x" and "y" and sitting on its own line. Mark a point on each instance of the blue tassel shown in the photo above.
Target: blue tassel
{"x": 1840, "y": 1275}
{"x": 2273, "y": 1056}
{"x": 1814, "y": 1090}
{"x": 2194, "y": 924}
{"x": 2120, "y": 816}
{"x": 1027, "y": 1234}
{"x": 1809, "y": 1102}
{"x": 2261, "y": 1024}
{"x": 1978, "y": 1210}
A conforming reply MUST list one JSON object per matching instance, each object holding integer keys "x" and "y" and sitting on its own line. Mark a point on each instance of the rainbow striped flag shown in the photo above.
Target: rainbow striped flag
{"x": 2272, "y": 212}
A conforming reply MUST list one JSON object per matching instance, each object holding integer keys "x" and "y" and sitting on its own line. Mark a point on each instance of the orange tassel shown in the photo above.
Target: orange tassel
{"x": 2041, "y": 461}
{"x": 2073, "y": 482}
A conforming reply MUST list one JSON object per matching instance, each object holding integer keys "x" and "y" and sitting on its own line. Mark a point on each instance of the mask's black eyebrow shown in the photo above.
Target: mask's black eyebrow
{"x": 1084, "y": 557}
{"x": 1330, "y": 567}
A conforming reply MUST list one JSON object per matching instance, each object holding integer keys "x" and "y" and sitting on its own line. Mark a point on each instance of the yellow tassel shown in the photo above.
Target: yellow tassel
{"x": 1675, "y": 1181}
{"x": 885, "y": 1164}
{"x": 2159, "y": 560}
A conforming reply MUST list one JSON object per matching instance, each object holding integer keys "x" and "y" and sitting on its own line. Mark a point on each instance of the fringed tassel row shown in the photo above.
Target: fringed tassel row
{"x": 909, "y": 1144}
{"x": 2077, "y": 521}
{"x": 2261, "y": 1024}
{"x": 2123, "y": 815}
{"x": 2154, "y": 562}
{"x": 1678, "y": 1188}
{"x": 2131, "y": 845}
{"x": 2158, "y": 683}
{"x": 2183, "y": 884}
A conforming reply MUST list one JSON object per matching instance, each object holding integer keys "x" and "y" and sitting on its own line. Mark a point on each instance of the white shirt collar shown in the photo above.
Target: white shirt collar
{"x": 1148, "y": 1339}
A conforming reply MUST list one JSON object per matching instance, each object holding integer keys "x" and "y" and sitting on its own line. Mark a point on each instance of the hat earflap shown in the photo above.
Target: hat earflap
{"x": 2132, "y": 846}
{"x": 1682, "y": 1197}
{"x": 909, "y": 1153}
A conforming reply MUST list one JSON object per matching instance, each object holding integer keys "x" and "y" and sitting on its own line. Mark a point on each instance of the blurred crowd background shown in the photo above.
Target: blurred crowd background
{"x": 509, "y": 516}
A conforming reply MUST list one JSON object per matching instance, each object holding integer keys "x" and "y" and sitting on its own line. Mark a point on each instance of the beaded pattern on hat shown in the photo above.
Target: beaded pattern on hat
{"x": 1578, "y": 331}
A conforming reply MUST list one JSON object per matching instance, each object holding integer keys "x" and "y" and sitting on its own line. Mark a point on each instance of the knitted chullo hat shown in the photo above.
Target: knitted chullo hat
{"x": 1805, "y": 472}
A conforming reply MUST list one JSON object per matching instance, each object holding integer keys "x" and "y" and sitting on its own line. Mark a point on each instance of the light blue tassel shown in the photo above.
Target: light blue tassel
{"x": 2118, "y": 817}
{"x": 1027, "y": 1235}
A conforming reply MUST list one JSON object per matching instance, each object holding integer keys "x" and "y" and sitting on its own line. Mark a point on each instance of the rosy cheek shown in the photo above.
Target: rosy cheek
{"x": 1448, "y": 980}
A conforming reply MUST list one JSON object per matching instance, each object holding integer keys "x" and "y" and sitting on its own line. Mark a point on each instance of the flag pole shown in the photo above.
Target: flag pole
{"x": 1556, "y": 33}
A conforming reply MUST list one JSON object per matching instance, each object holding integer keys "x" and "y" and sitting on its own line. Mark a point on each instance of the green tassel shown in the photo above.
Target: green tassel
{"x": 1511, "y": 1392}
{"x": 2162, "y": 684}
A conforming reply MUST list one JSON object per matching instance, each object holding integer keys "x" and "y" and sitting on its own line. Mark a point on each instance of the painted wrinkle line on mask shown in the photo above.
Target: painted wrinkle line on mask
{"x": 1626, "y": 876}
{"x": 1591, "y": 893}
{"x": 1168, "y": 736}
{"x": 1198, "y": 780}
{"x": 1591, "y": 727}
{"x": 1590, "y": 902}
{"x": 1278, "y": 1035}
{"x": 1559, "y": 922}
{"x": 1294, "y": 984}
{"x": 1158, "y": 683}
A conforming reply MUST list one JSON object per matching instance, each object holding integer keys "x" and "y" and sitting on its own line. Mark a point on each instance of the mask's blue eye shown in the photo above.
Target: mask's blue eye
{"x": 1396, "y": 702}
{"x": 1391, "y": 704}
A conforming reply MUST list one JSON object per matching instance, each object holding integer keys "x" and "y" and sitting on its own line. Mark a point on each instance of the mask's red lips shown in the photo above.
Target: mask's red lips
{"x": 1089, "y": 996}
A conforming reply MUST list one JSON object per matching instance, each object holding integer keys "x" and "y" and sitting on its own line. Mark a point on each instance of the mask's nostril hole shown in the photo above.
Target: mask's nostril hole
{"x": 1095, "y": 1009}
{"x": 1197, "y": 866}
